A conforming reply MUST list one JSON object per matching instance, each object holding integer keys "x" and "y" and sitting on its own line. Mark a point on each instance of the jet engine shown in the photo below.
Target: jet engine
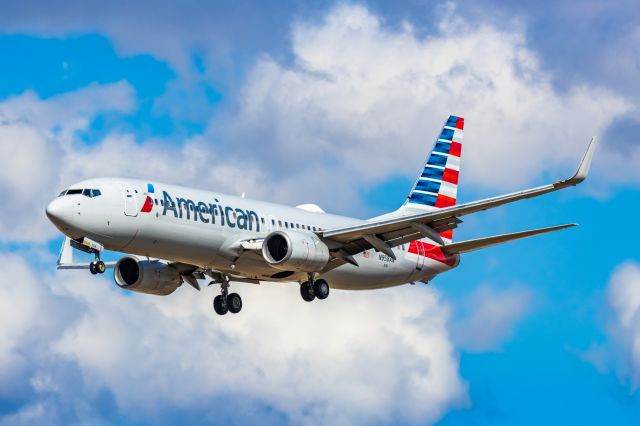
{"x": 146, "y": 276}
{"x": 295, "y": 251}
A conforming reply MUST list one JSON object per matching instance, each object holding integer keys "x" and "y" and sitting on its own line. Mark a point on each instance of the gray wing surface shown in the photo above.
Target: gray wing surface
{"x": 394, "y": 231}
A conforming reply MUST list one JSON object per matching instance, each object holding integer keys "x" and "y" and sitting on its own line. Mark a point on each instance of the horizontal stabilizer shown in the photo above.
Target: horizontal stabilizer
{"x": 480, "y": 243}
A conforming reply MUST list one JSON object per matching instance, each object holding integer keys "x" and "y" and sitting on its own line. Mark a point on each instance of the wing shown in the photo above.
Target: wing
{"x": 393, "y": 231}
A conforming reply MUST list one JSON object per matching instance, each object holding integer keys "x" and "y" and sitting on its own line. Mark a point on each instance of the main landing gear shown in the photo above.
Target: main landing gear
{"x": 226, "y": 302}
{"x": 312, "y": 289}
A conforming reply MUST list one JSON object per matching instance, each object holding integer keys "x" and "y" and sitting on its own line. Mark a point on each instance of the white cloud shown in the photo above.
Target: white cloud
{"x": 492, "y": 316}
{"x": 623, "y": 295}
{"x": 41, "y": 153}
{"x": 619, "y": 352}
{"x": 366, "y": 102}
{"x": 357, "y": 357}
{"x": 35, "y": 137}
{"x": 362, "y": 103}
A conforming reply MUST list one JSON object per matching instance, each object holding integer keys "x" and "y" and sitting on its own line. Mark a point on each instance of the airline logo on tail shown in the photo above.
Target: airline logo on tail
{"x": 437, "y": 186}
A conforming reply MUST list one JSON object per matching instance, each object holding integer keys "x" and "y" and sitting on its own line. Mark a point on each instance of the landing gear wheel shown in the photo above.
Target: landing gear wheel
{"x": 306, "y": 291}
{"x": 100, "y": 267}
{"x": 93, "y": 268}
{"x": 234, "y": 303}
{"x": 321, "y": 289}
{"x": 220, "y": 305}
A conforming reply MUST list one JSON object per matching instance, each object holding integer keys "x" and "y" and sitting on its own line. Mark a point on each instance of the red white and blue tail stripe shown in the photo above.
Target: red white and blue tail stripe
{"x": 437, "y": 185}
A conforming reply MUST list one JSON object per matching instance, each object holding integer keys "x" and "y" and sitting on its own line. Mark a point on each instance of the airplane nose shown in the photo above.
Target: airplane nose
{"x": 60, "y": 212}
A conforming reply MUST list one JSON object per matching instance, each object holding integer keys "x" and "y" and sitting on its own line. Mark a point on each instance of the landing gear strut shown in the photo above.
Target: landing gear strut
{"x": 312, "y": 289}
{"x": 226, "y": 302}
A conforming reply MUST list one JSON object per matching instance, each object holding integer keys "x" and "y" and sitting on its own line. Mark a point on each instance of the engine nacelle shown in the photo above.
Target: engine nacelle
{"x": 295, "y": 251}
{"x": 146, "y": 276}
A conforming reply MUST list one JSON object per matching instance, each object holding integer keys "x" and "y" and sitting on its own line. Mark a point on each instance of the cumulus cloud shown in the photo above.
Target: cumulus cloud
{"x": 357, "y": 357}
{"x": 622, "y": 351}
{"x": 219, "y": 31}
{"x": 360, "y": 104}
{"x": 490, "y": 316}
{"x": 367, "y": 101}
{"x": 42, "y": 152}
{"x": 35, "y": 136}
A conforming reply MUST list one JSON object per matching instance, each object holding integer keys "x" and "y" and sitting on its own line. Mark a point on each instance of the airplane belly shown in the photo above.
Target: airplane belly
{"x": 375, "y": 270}
{"x": 180, "y": 241}
{"x": 379, "y": 271}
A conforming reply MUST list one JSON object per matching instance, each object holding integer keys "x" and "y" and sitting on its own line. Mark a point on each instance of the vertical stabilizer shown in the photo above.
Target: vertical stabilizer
{"x": 437, "y": 184}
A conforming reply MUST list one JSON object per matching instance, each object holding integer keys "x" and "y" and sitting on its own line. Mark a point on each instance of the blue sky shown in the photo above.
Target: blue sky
{"x": 335, "y": 103}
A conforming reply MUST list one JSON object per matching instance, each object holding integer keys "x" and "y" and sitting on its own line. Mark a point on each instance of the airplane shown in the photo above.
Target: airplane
{"x": 172, "y": 235}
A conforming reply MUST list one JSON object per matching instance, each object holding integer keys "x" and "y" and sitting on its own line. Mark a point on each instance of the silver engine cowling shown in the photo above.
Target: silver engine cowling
{"x": 146, "y": 276}
{"x": 295, "y": 251}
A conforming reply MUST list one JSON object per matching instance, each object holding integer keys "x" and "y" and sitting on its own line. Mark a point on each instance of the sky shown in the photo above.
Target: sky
{"x": 334, "y": 103}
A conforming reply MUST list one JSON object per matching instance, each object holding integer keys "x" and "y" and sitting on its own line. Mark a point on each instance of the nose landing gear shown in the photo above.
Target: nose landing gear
{"x": 87, "y": 245}
{"x": 97, "y": 267}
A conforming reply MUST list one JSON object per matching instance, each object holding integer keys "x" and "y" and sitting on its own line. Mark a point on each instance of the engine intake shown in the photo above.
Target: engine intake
{"x": 146, "y": 276}
{"x": 295, "y": 251}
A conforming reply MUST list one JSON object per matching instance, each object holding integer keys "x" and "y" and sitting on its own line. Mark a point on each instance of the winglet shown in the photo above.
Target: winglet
{"x": 585, "y": 164}
{"x": 66, "y": 253}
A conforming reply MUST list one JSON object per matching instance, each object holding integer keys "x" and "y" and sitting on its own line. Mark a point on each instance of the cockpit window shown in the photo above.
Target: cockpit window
{"x": 87, "y": 192}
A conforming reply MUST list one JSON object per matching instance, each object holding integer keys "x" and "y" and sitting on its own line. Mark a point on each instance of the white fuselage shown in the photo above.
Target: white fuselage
{"x": 202, "y": 228}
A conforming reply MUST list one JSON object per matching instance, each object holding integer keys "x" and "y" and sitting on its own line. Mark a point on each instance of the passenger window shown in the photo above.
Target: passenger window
{"x": 286, "y": 225}
{"x": 279, "y": 224}
{"x": 298, "y": 225}
{"x": 273, "y": 222}
{"x": 262, "y": 220}
{"x": 162, "y": 202}
{"x": 156, "y": 201}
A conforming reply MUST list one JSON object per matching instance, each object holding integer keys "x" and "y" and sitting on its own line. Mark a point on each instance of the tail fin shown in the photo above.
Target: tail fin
{"x": 437, "y": 184}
